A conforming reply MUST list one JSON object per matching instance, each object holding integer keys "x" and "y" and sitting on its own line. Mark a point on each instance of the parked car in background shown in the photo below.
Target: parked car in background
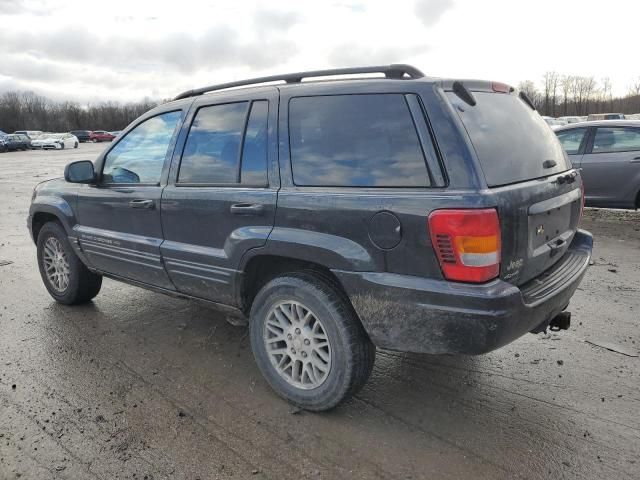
{"x": 342, "y": 230}
{"x": 28, "y": 133}
{"x": 608, "y": 152}
{"x": 569, "y": 120}
{"x": 3, "y": 145}
{"x": 605, "y": 116}
{"x": 116, "y": 133}
{"x": 100, "y": 136}
{"x": 554, "y": 122}
{"x": 82, "y": 135}
{"x": 15, "y": 142}
{"x": 56, "y": 141}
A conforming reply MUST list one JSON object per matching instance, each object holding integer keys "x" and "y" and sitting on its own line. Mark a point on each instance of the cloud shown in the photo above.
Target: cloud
{"x": 348, "y": 55}
{"x": 275, "y": 20}
{"x": 24, "y": 7}
{"x": 430, "y": 11}
{"x": 217, "y": 47}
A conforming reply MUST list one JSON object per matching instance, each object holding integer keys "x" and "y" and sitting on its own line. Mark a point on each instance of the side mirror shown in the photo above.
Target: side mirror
{"x": 80, "y": 172}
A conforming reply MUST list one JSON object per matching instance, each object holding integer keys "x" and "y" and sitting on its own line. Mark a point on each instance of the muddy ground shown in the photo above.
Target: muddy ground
{"x": 139, "y": 385}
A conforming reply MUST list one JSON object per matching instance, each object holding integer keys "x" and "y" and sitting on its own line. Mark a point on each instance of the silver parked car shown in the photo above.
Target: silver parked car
{"x": 608, "y": 151}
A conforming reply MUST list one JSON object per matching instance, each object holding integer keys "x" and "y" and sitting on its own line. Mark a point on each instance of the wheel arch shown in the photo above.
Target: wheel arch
{"x": 38, "y": 221}
{"x": 50, "y": 209}
{"x": 259, "y": 269}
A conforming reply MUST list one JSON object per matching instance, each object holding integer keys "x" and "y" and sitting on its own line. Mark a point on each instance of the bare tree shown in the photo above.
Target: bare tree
{"x": 26, "y": 110}
{"x": 566, "y": 86}
{"x": 529, "y": 88}
{"x": 551, "y": 83}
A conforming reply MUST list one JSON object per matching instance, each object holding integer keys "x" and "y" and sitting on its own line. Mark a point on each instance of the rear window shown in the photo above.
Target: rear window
{"x": 355, "y": 141}
{"x": 510, "y": 139}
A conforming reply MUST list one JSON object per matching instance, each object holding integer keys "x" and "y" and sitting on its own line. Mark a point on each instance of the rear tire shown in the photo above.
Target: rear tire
{"x": 66, "y": 278}
{"x": 75, "y": 145}
{"x": 320, "y": 331}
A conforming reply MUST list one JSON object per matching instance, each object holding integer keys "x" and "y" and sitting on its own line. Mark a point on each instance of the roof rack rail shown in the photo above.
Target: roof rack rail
{"x": 396, "y": 71}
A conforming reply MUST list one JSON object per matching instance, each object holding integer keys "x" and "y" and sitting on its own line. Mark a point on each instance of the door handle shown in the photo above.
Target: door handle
{"x": 247, "y": 209}
{"x": 141, "y": 203}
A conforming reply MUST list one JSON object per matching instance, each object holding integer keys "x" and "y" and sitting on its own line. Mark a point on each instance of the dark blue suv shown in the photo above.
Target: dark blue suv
{"x": 401, "y": 212}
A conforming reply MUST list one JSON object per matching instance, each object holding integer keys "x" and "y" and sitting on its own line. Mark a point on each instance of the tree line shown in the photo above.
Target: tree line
{"x": 29, "y": 111}
{"x": 558, "y": 95}
{"x": 564, "y": 95}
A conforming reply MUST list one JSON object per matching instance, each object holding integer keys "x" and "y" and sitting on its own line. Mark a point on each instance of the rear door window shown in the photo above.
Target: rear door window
{"x": 355, "y": 141}
{"x": 212, "y": 152}
{"x": 215, "y": 152}
{"x": 511, "y": 140}
{"x": 609, "y": 140}
{"x": 571, "y": 139}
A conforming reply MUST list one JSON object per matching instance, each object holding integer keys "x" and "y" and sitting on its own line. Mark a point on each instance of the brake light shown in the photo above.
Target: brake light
{"x": 467, "y": 243}
{"x": 501, "y": 87}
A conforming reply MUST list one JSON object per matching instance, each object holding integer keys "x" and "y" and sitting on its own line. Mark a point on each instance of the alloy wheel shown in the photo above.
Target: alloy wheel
{"x": 56, "y": 264}
{"x": 297, "y": 345}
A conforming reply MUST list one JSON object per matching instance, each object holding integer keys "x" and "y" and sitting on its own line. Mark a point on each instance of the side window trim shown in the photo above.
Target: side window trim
{"x": 584, "y": 144}
{"x": 167, "y": 158}
{"x": 430, "y": 149}
{"x": 243, "y": 138}
{"x": 241, "y": 181}
{"x": 588, "y": 141}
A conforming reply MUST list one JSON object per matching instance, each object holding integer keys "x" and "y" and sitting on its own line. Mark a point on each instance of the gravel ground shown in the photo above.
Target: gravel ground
{"x": 139, "y": 385}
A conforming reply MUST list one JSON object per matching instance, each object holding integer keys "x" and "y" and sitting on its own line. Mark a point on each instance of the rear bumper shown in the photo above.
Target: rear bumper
{"x": 415, "y": 314}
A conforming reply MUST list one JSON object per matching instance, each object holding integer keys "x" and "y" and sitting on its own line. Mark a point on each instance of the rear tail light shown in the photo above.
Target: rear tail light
{"x": 467, "y": 243}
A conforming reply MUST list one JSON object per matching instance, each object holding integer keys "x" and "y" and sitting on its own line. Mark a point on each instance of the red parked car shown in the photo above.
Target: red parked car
{"x": 100, "y": 136}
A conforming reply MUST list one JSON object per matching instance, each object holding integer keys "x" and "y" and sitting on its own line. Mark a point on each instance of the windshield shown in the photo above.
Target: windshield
{"x": 510, "y": 139}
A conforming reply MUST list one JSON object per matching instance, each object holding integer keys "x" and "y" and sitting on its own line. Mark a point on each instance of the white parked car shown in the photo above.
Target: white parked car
{"x": 573, "y": 119}
{"x": 57, "y": 141}
{"x": 554, "y": 122}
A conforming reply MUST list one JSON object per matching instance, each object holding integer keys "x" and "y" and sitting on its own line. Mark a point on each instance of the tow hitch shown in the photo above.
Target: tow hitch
{"x": 562, "y": 321}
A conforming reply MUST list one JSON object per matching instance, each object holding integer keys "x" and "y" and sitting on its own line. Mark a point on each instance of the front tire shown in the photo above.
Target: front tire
{"x": 75, "y": 145}
{"x": 308, "y": 342}
{"x": 66, "y": 278}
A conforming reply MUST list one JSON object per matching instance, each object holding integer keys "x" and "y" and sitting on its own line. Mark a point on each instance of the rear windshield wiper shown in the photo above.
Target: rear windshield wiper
{"x": 464, "y": 93}
{"x": 525, "y": 98}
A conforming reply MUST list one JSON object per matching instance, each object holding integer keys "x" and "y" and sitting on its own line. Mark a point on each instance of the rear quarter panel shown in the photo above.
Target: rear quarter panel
{"x": 331, "y": 225}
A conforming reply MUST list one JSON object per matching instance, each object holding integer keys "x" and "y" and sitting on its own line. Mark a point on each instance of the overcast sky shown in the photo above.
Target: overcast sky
{"x": 125, "y": 50}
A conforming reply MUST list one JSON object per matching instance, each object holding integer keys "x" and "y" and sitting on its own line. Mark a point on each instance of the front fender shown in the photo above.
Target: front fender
{"x": 52, "y": 205}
